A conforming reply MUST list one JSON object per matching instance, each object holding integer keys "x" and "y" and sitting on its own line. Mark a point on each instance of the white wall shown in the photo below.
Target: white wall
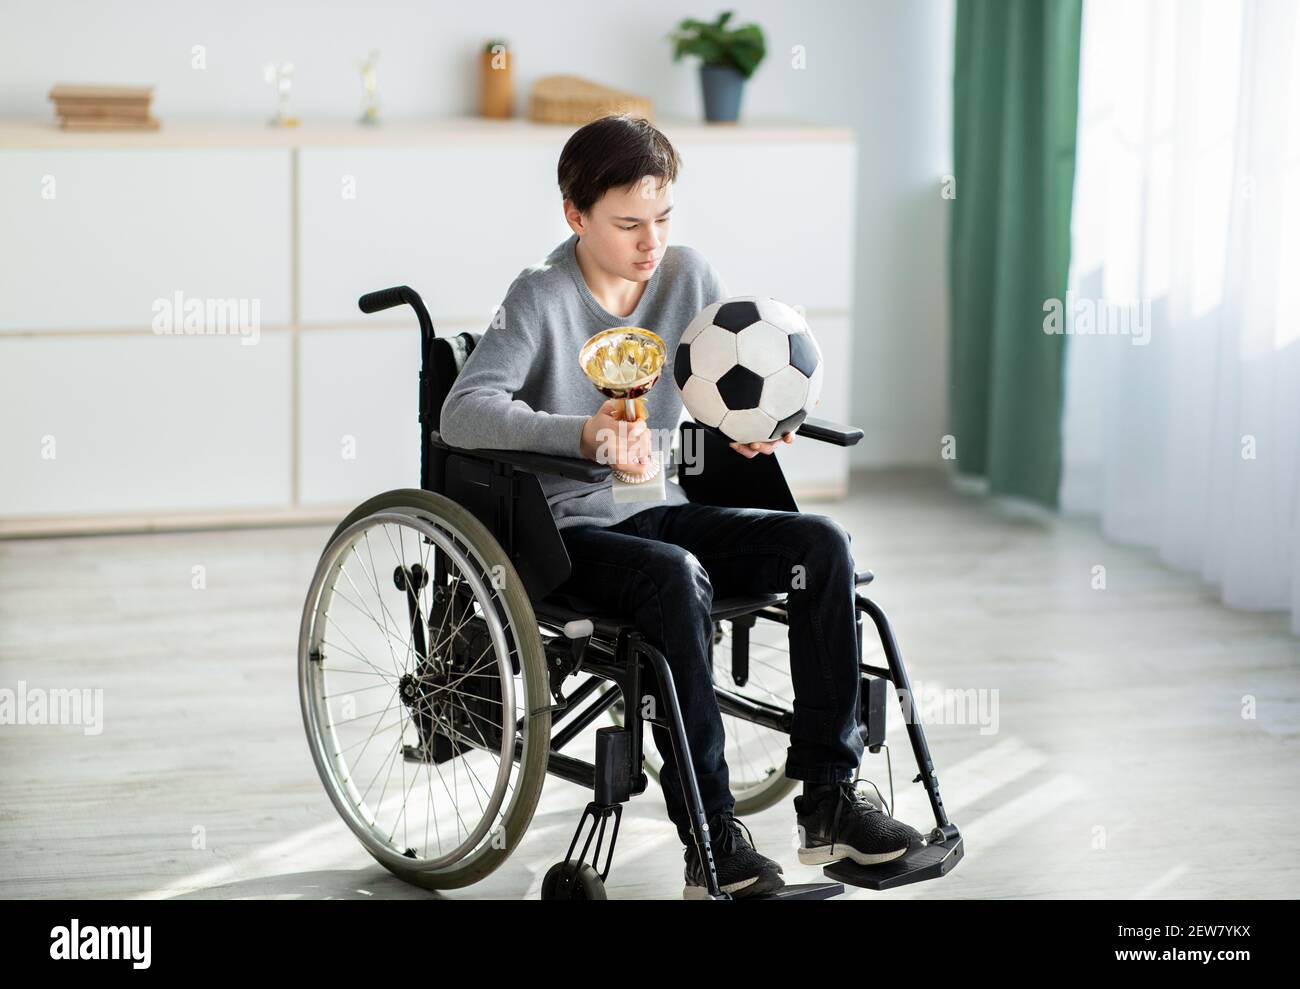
{"x": 881, "y": 67}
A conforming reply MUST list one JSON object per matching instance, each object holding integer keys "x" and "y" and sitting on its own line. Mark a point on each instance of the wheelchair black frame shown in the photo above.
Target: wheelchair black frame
{"x": 501, "y": 488}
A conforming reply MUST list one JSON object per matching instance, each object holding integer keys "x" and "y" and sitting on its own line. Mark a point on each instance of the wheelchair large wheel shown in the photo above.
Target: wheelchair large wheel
{"x": 424, "y": 689}
{"x": 755, "y": 755}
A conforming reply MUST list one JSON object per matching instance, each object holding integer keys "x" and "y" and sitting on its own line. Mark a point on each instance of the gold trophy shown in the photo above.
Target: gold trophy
{"x": 624, "y": 363}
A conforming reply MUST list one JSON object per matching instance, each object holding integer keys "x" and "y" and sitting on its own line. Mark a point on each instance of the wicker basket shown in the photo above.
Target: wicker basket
{"x": 574, "y": 100}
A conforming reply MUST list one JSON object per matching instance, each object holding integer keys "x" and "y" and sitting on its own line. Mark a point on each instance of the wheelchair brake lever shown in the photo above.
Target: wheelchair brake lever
{"x": 560, "y": 666}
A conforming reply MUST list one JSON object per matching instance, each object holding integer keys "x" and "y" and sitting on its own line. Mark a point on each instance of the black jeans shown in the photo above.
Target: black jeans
{"x": 661, "y": 569}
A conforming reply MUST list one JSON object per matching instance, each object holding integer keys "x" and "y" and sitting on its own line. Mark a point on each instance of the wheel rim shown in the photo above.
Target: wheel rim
{"x": 394, "y": 733}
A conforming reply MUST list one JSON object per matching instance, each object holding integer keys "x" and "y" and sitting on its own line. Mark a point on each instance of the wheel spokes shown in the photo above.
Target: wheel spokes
{"x": 451, "y": 712}
{"x": 755, "y": 753}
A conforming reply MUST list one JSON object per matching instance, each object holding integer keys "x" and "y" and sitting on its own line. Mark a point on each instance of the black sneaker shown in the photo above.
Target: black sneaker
{"x": 841, "y": 823}
{"x": 742, "y": 871}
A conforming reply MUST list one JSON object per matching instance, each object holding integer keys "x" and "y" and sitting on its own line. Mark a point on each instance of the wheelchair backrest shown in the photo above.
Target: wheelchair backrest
{"x": 511, "y": 504}
{"x": 446, "y": 358}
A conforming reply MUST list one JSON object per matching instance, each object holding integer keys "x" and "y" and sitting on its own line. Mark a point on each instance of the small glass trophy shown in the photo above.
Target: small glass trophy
{"x": 624, "y": 363}
{"x": 369, "y": 90}
{"x": 280, "y": 75}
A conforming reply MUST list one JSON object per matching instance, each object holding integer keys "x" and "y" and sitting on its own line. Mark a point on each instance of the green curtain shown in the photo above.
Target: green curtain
{"x": 1015, "y": 100}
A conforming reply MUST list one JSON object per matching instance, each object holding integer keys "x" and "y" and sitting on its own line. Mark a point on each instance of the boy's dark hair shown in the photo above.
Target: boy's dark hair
{"x": 612, "y": 152}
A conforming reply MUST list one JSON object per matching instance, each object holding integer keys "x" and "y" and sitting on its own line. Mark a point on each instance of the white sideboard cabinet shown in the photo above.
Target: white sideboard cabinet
{"x": 112, "y": 416}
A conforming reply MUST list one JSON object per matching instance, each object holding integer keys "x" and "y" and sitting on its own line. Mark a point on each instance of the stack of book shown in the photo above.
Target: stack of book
{"x": 103, "y": 107}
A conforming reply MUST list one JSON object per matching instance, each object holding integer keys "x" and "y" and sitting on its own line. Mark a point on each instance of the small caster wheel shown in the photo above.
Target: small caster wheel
{"x": 570, "y": 881}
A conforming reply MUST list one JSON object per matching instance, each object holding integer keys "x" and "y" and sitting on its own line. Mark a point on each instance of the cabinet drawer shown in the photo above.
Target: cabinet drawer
{"x": 144, "y": 423}
{"x": 456, "y": 224}
{"x": 125, "y": 228}
{"x": 774, "y": 219}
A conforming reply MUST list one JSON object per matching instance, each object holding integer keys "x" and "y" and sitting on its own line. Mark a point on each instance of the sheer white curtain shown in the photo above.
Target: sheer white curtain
{"x": 1182, "y": 421}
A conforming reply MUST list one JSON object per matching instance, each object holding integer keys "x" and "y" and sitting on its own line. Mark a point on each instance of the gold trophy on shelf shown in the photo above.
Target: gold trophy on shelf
{"x": 624, "y": 363}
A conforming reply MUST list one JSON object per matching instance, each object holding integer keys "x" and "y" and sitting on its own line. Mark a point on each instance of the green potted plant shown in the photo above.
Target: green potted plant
{"x": 728, "y": 57}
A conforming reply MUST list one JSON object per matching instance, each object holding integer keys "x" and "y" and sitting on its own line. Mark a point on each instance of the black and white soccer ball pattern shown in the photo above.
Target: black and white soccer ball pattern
{"x": 750, "y": 368}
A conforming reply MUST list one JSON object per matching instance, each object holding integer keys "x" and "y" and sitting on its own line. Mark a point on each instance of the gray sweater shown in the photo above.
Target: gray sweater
{"x": 522, "y": 388}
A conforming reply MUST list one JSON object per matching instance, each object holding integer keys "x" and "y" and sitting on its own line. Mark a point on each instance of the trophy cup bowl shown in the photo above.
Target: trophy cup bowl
{"x": 624, "y": 363}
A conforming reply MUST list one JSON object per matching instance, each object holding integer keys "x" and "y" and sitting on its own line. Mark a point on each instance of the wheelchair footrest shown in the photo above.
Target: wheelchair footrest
{"x": 917, "y": 865}
{"x": 801, "y": 891}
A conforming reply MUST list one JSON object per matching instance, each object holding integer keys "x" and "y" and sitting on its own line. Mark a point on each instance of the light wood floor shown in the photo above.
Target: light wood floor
{"x": 1120, "y": 764}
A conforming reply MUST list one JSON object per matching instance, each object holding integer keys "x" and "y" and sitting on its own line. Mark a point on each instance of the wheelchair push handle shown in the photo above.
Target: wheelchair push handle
{"x": 386, "y": 298}
{"x": 399, "y": 295}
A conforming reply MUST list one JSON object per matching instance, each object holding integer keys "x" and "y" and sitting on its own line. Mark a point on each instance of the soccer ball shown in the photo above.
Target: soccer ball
{"x": 749, "y": 368}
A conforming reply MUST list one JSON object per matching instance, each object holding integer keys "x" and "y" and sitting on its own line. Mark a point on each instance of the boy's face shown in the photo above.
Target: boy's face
{"x": 626, "y": 228}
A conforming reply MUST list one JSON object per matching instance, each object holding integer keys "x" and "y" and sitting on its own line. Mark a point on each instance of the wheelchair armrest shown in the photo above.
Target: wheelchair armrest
{"x": 574, "y": 468}
{"x": 829, "y": 432}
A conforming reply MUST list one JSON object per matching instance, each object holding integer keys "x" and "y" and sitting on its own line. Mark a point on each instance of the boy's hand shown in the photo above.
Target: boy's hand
{"x": 609, "y": 439}
{"x": 749, "y": 450}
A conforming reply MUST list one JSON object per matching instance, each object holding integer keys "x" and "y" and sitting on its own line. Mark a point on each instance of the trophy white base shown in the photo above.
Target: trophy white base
{"x": 652, "y": 490}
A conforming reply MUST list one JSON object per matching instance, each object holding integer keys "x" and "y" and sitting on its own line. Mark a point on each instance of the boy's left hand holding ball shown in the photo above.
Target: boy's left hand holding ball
{"x": 749, "y": 450}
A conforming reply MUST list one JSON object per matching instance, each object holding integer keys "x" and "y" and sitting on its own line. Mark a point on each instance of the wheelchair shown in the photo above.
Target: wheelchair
{"x": 435, "y": 654}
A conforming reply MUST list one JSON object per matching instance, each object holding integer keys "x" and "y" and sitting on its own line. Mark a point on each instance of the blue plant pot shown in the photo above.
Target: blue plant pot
{"x": 723, "y": 87}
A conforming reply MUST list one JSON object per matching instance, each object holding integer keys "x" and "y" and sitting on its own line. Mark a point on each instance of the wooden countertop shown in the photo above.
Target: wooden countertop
{"x": 447, "y": 131}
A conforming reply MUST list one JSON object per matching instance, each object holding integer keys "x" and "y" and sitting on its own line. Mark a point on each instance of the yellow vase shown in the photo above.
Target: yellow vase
{"x": 497, "y": 90}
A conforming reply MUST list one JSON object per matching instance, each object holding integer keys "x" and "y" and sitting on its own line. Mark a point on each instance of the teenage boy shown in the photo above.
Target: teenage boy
{"x": 662, "y": 565}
